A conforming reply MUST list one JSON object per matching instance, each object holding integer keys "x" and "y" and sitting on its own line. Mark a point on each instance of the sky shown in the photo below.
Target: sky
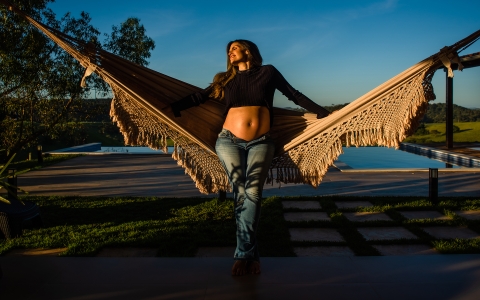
{"x": 331, "y": 51}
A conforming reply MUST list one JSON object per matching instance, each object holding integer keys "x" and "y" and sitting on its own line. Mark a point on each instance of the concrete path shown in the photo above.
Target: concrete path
{"x": 159, "y": 175}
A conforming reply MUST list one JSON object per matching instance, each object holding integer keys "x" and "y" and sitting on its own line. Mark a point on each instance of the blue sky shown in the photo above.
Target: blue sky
{"x": 332, "y": 51}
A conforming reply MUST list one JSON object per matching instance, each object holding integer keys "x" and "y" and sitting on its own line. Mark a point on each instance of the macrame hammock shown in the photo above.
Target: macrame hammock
{"x": 305, "y": 146}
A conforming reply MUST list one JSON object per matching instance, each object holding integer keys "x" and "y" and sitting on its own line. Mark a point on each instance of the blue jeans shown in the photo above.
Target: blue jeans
{"x": 247, "y": 165}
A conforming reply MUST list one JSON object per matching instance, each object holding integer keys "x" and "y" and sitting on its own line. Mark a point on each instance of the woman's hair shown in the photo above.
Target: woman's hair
{"x": 221, "y": 79}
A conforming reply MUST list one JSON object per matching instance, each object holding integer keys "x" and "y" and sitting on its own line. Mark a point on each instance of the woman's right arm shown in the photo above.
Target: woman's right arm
{"x": 189, "y": 101}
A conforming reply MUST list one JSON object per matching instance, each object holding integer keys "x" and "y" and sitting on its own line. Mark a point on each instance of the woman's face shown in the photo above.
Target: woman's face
{"x": 236, "y": 54}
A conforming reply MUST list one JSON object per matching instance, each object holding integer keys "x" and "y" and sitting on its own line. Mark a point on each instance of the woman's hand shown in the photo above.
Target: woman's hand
{"x": 168, "y": 110}
{"x": 321, "y": 117}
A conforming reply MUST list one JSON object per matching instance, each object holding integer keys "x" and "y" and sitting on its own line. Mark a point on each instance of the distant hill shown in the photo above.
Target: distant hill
{"x": 436, "y": 113}
{"x": 97, "y": 110}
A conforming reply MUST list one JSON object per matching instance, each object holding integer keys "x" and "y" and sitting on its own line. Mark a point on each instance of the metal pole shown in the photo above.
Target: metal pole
{"x": 12, "y": 180}
{"x": 433, "y": 185}
{"x": 449, "y": 111}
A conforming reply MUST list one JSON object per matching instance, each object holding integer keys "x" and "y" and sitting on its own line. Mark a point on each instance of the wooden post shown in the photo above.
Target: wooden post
{"x": 449, "y": 111}
{"x": 433, "y": 185}
{"x": 39, "y": 154}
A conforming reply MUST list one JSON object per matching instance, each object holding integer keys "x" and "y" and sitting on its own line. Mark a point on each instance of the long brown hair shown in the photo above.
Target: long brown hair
{"x": 221, "y": 79}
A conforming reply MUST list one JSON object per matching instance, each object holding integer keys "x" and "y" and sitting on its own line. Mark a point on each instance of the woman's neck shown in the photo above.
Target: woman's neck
{"x": 243, "y": 66}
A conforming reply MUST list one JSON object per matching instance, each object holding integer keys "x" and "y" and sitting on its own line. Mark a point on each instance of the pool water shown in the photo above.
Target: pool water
{"x": 135, "y": 150}
{"x": 385, "y": 158}
{"x": 355, "y": 158}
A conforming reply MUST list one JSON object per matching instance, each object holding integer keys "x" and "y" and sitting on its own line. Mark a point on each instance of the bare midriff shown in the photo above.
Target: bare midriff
{"x": 248, "y": 122}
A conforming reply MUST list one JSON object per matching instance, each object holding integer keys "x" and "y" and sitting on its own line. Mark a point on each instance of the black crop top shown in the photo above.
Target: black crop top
{"x": 253, "y": 87}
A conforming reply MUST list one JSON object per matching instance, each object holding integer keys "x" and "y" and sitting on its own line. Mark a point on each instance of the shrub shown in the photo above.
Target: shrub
{"x": 422, "y": 130}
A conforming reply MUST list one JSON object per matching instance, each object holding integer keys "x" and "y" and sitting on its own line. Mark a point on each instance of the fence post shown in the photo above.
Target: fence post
{"x": 39, "y": 154}
{"x": 433, "y": 185}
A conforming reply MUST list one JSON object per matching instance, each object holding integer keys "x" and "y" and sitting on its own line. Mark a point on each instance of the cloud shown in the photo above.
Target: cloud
{"x": 360, "y": 12}
{"x": 161, "y": 22}
{"x": 370, "y": 10}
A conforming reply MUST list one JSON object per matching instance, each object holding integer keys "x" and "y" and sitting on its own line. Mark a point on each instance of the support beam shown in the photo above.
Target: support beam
{"x": 449, "y": 110}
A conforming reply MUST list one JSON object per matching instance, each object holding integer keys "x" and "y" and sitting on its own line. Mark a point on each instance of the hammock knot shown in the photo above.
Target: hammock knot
{"x": 88, "y": 71}
{"x": 448, "y": 56}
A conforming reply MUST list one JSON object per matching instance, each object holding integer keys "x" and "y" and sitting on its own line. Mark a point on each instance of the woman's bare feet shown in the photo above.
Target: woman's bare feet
{"x": 239, "y": 268}
{"x": 254, "y": 267}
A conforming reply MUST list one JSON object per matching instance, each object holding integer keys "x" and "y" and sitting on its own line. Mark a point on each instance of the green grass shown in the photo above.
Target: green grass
{"x": 179, "y": 226}
{"x": 469, "y": 133}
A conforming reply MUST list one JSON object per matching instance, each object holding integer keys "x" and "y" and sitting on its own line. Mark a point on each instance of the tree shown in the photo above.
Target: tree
{"x": 437, "y": 112}
{"x": 39, "y": 81}
{"x": 130, "y": 41}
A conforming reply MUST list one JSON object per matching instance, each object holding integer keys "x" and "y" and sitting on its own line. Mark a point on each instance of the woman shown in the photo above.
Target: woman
{"x": 244, "y": 145}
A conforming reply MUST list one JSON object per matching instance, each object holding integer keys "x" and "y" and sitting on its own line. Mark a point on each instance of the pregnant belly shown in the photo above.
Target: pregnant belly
{"x": 248, "y": 122}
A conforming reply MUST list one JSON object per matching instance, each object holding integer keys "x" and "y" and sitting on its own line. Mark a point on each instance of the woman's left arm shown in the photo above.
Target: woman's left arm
{"x": 298, "y": 98}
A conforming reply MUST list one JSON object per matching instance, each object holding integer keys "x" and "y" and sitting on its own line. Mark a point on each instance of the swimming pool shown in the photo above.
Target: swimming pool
{"x": 132, "y": 150}
{"x": 353, "y": 159}
{"x": 384, "y": 158}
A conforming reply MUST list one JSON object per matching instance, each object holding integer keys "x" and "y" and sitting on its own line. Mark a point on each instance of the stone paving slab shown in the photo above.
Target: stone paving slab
{"x": 405, "y": 249}
{"x": 352, "y": 204}
{"x": 385, "y": 233}
{"x": 323, "y": 251}
{"x": 424, "y": 215}
{"x": 443, "y": 232}
{"x": 127, "y": 252}
{"x": 306, "y": 216}
{"x": 315, "y": 235}
{"x": 367, "y": 216}
{"x": 215, "y": 252}
{"x": 36, "y": 252}
{"x": 302, "y": 204}
{"x": 469, "y": 214}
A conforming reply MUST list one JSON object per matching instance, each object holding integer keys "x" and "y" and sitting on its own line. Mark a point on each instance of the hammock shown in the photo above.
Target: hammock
{"x": 305, "y": 146}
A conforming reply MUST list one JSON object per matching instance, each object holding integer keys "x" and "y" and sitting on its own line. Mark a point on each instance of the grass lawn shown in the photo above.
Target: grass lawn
{"x": 178, "y": 226}
{"x": 469, "y": 133}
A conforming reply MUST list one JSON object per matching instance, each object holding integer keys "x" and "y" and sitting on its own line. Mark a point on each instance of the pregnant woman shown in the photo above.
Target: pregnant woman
{"x": 244, "y": 145}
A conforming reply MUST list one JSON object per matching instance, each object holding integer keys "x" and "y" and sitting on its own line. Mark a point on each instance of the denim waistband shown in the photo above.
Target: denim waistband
{"x": 225, "y": 133}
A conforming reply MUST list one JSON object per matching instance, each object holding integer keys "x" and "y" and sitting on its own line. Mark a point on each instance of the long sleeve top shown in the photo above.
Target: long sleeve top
{"x": 253, "y": 87}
